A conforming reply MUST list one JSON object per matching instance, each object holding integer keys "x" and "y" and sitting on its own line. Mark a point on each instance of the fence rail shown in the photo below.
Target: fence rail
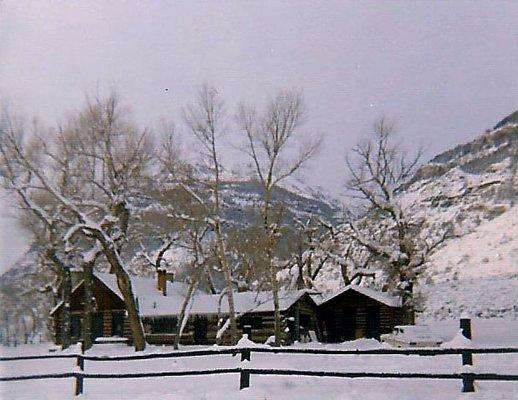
{"x": 234, "y": 351}
{"x": 245, "y": 372}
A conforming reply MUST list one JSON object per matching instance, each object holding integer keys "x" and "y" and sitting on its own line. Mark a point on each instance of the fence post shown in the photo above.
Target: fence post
{"x": 465, "y": 326}
{"x": 468, "y": 383}
{"x": 245, "y": 354}
{"x": 81, "y": 362}
{"x": 79, "y": 383}
{"x": 247, "y": 330}
{"x": 244, "y": 379}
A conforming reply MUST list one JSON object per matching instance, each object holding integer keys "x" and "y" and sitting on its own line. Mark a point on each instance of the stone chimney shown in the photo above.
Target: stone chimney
{"x": 162, "y": 281}
{"x": 77, "y": 275}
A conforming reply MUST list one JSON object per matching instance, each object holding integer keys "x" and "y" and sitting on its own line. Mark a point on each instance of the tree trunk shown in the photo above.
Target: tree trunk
{"x": 87, "y": 306}
{"x": 408, "y": 305}
{"x": 343, "y": 271}
{"x": 124, "y": 284}
{"x": 65, "y": 312}
{"x": 179, "y": 324}
{"x": 228, "y": 284}
{"x": 276, "y": 308}
{"x": 273, "y": 270}
{"x": 137, "y": 330}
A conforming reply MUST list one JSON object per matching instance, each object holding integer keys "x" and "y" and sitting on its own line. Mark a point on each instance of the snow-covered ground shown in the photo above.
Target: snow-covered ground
{"x": 485, "y": 333}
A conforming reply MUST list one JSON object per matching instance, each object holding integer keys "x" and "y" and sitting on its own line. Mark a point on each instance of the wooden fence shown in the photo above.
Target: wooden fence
{"x": 467, "y": 378}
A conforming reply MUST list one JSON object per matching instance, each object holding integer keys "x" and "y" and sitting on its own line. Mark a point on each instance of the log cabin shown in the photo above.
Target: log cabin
{"x": 160, "y": 301}
{"x": 351, "y": 313}
{"x": 356, "y": 312}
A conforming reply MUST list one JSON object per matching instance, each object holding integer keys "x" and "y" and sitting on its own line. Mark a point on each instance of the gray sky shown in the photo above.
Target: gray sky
{"x": 445, "y": 71}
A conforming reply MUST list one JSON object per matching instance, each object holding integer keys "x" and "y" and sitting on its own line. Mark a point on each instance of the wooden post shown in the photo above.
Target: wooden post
{"x": 247, "y": 330}
{"x": 81, "y": 362}
{"x": 245, "y": 354}
{"x": 79, "y": 384}
{"x": 468, "y": 383}
{"x": 244, "y": 379}
{"x": 465, "y": 326}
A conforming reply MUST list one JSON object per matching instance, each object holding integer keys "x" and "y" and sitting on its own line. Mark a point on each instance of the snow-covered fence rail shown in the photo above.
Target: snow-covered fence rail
{"x": 40, "y": 357}
{"x": 467, "y": 378}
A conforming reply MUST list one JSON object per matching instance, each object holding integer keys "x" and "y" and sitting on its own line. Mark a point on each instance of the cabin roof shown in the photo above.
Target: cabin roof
{"x": 143, "y": 286}
{"x": 381, "y": 297}
{"x": 244, "y": 302}
{"x": 151, "y": 302}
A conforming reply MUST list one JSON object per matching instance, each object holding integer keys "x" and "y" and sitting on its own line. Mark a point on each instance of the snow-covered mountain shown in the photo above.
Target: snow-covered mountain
{"x": 470, "y": 183}
{"x": 475, "y": 185}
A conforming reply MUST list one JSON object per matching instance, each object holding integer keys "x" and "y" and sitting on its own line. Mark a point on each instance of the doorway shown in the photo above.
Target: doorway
{"x": 349, "y": 323}
{"x": 372, "y": 322}
{"x": 97, "y": 325}
{"x": 200, "y": 330}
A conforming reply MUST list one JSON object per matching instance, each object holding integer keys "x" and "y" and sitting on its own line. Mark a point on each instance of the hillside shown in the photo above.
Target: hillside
{"x": 475, "y": 185}
{"x": 477, "y": 273}
{"x": 470, "y": 183}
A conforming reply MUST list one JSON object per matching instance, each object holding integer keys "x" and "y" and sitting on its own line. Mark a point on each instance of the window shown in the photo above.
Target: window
{"x": 255, "y": 321}
{"x": 163, "y": 325}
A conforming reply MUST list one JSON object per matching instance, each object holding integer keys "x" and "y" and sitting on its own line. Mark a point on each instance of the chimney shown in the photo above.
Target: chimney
{"x": 76, "y": 275}
{"x": 162, "y": 281}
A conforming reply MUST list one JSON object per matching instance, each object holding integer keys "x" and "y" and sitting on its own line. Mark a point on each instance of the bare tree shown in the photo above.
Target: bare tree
{"x": 270, "y": 141}
{"x": 205, "y": 121}
{"x": 42, "y": 218}
{"x": 388, "y": 233}
{"x": 105, "y": 159}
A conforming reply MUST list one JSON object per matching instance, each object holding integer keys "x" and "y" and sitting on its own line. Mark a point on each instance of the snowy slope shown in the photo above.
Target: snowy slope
{"x": 490, "y": 250}
{"x": 469, "y": 184}
{"x": 477, "y": 273}
{"x": 474, "y": 185}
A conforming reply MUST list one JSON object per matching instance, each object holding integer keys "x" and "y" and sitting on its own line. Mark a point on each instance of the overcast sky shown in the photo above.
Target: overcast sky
{"x": 445, "y": 71}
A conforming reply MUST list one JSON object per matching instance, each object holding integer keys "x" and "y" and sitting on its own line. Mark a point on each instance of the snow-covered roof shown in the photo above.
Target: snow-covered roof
{"x": 382, "y": 297}
{"x": 151, "y": 302}
{"x": 201, "y": 303}
{"x": 143, "y": 287}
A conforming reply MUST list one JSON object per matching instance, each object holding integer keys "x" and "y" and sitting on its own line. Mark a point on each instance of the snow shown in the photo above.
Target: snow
{"x": 223, "y": 328}
{"x": 245, "y": 342}
{"x": 207, "y": 304}
{"x": 459, "y": 341}
{"x": 493, "y": 244}
{"x": 269, "y": 387}
{"x": 476, "y": 273}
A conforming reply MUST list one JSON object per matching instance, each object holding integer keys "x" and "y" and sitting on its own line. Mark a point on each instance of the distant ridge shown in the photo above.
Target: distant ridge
{"x": 510, "y": 119}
